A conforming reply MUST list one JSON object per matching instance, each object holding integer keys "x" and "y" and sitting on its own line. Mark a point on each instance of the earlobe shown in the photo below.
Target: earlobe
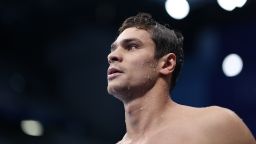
{"x": 168, "y": 63}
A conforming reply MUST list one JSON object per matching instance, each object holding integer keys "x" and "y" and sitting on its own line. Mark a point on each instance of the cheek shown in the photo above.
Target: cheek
{"x": 142, "y": 60}
{"x": 144, "y": 69}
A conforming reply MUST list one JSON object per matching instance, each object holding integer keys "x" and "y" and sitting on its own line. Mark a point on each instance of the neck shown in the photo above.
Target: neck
{"x": 146, "y": 112}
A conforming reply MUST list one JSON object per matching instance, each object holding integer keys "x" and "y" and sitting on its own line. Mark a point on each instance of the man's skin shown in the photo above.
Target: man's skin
{"x": 142, "y": 83}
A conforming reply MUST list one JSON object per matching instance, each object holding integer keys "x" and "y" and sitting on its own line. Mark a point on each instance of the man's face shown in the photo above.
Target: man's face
{"x": 132, "y": 66}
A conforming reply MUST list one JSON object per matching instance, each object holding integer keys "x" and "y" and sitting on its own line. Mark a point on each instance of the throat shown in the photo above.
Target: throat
{"x": 144, "y": 114}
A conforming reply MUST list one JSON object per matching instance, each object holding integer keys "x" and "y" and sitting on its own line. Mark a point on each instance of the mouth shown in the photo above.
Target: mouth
{"x": 113, "y": 73}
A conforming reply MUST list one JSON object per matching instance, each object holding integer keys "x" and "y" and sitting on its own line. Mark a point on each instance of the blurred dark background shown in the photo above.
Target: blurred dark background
{"x": 53, "y": 62}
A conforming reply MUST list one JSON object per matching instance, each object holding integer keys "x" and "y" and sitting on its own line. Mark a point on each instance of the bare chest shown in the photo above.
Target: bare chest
{"x": 176, "y": 137}
{"x": 172, "y": 136}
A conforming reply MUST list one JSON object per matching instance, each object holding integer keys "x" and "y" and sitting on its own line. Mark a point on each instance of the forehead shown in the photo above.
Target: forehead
{"x": 135, "y": 33}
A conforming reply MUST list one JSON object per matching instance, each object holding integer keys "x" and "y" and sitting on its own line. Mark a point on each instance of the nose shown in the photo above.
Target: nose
{"x": 115, "y": 56}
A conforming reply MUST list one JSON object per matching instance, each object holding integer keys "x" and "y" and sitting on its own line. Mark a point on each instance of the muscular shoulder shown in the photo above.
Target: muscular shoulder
{"x": 224, "y": 126}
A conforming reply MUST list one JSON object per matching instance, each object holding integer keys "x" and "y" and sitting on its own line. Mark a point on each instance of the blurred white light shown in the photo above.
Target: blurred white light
{"x": 240, "y": 3}
{"x": 232, "y": 65}
{"x": 178, "y": 9}
{"x": 230, "y": 5}
{"x": 32, "y": 127}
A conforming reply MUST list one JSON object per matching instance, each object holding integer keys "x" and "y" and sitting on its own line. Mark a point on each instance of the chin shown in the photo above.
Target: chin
{"x": 113, "y": 90}
{"x": 117, "y": 89}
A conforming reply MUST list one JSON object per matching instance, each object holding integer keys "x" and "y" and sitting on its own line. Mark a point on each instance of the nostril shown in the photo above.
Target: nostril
{"x": 114, "y": 58}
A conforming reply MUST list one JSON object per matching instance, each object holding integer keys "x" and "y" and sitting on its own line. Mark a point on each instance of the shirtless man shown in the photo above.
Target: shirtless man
{"x": 144, "y": 63}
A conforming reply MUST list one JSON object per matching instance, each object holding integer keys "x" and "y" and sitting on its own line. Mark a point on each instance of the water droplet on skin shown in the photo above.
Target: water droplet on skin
{"x": 148, "y": 76}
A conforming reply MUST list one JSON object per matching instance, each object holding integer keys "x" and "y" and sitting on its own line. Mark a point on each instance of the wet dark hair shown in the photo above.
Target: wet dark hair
{"x": 166, "y": 40}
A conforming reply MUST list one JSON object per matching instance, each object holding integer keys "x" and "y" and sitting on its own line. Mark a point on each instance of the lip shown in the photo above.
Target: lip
{"x": 113, "y": 72}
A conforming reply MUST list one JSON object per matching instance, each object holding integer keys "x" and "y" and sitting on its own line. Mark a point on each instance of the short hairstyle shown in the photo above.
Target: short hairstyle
{"x": 166, "y": 40}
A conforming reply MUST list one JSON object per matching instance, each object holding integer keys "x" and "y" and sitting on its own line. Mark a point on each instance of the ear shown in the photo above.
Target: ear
{"x": 167, "y": 64}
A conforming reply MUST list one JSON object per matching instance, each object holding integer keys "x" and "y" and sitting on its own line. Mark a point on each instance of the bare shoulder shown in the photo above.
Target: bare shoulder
{"x": 225, "y": 126}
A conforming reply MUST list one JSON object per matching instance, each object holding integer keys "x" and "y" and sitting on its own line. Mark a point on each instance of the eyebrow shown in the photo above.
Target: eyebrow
{"x": 124, "y": 41}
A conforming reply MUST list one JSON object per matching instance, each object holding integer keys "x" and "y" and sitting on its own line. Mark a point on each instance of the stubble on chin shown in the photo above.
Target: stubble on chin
{"x": 123, "y": 93}
{"x": 118, "y": 89}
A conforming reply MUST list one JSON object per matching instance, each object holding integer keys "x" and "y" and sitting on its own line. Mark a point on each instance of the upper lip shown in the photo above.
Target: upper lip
{"x": 112, "y": 70}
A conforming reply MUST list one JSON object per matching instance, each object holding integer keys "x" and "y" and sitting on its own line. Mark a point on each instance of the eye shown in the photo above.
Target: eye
{"x": 131, "y": 46}
{"x": 112, "y": 47}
